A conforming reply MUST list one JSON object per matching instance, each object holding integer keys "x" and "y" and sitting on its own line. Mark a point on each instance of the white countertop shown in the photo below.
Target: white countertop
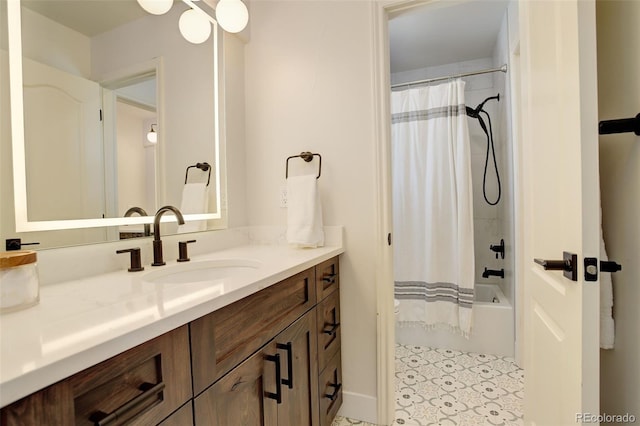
{"x": 82, "y": 322}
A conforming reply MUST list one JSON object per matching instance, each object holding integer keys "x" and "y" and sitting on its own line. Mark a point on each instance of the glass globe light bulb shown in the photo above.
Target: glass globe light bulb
{"x": 232, "y": 15}
{"x": 156, "y": 7}
{"x": 194, "y": 27}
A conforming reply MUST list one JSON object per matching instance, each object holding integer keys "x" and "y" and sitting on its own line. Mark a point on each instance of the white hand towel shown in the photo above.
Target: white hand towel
{"x": 607, "y": 325}
{"x": 195, "y": 200}
{"x": 304, "y": 212}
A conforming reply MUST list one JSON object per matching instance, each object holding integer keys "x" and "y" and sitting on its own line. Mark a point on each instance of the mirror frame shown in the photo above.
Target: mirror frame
{"x": 22, "y": 223}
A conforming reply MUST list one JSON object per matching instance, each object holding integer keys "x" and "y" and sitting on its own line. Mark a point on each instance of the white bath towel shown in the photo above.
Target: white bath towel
{"x": 195, "y": 200}
{"x": 432, "y": 207}
{"x": 607, "y": 325}
{"x": 304, "y": 212}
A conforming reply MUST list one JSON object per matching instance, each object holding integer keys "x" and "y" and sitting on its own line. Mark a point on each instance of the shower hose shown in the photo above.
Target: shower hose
{"x": 475, "y": 113}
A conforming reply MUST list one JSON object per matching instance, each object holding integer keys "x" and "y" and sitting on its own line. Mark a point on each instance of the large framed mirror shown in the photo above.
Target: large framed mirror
{"x": 88, "y": 81}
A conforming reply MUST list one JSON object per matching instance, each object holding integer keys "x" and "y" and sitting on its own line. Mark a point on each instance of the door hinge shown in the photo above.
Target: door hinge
{"x": 100, "y": 114}
{"x": 389, "y": 238}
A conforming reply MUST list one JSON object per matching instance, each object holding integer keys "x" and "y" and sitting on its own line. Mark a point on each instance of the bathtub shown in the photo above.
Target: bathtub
{"x": 492, "y": 332}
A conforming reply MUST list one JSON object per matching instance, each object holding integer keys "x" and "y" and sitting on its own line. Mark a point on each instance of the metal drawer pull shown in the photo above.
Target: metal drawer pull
{"x": 336, "y": 389}
{"x": 329, "y": 278}
{"x": 287, "y": 347}
{"x": 278, "y": 395}
{"x": 100, "y": 418}
{"x": 331, "y": 331}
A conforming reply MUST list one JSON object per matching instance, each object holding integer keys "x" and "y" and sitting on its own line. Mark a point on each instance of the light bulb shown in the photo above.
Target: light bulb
{"x": 152, "y": 136}
{"x": 194, "y": 27}
{"x": 156, "y": 7}
{"x": 232, "y": 15}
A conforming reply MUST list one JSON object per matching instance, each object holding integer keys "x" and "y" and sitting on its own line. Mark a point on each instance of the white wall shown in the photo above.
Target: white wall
{"x": 50, "y": 43}
{"x": 619, "y": 97}
{"x": 309, "y": 87}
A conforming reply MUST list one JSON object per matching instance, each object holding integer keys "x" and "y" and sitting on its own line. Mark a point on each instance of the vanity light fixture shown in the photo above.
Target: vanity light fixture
{"x": 152, "y": 136}
{"x": 194, "y": 23}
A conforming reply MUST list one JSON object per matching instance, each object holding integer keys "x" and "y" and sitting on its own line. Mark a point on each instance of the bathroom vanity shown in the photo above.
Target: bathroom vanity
{"x": 260, "y": 349}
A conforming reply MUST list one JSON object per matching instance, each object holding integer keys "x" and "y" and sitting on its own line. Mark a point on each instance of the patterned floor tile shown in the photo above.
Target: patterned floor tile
{"x": 447, "y": 387}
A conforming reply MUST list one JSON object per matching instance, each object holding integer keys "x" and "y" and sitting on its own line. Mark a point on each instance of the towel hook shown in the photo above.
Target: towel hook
{"x": 307, "y": 157}
{"x": 202, "y": 166}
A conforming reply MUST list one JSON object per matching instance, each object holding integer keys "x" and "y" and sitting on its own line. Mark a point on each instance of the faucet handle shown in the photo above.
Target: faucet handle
{"x": 182, "y": 250}
{"x": 136, "y": 263}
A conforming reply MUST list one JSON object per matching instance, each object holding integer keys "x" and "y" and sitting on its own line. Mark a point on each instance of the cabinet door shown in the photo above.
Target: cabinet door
{"x": 246, "y": 396}
{"x": 297, "y": 348}
{"x": 182, "y": 417}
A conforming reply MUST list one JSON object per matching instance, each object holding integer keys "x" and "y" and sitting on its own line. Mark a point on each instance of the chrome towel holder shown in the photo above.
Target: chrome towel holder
{"x": 306, "y": 156}
{"x": 202, "y": 166}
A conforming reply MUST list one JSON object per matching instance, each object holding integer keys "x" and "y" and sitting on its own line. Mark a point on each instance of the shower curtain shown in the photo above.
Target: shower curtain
{"x": 432, "y": 207}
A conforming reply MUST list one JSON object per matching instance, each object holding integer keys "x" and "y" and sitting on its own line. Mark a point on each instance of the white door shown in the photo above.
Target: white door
{"x": 561, "y": 208}
{"x": 63, "y": 144}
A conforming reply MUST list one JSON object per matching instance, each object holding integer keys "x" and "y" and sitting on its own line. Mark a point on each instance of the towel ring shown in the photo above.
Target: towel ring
{"x": 202, "y": 166}
{"x": 307, "y": 157}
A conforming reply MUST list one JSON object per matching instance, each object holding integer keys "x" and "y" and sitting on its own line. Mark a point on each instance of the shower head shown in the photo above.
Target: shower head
{"x": 479, "y": 107}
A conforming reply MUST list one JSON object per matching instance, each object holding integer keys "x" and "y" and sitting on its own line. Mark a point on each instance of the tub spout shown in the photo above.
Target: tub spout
{"x": 492, "y": 272}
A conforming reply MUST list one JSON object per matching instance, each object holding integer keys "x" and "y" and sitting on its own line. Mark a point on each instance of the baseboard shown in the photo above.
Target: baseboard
{"x": 361, "y": 407}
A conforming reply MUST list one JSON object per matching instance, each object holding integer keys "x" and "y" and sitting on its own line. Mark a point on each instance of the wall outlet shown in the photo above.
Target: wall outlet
{"x": 283, "y": 196}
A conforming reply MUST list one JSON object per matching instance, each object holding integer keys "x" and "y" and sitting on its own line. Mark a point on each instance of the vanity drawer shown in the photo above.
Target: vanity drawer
{"x": 224, "y": 338}
{"x": 141, "y": 386}
{"x": 327, "y": 277}
{"x": 330, "y": 387}
{"x": 328, "y": 328}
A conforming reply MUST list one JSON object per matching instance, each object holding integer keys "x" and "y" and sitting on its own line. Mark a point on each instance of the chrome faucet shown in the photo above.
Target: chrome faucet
{"x": 141, "y": 212}
{"x": 157, "y": 242}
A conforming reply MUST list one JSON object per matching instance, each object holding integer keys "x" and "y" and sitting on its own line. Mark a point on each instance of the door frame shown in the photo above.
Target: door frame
{"x": 381, "y": 9}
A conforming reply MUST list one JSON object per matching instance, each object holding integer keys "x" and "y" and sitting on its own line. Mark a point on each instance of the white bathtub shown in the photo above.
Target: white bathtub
{"x": 492, "y": 332}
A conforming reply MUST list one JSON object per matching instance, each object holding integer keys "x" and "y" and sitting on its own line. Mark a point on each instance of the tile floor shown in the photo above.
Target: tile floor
{"x": 447, "y": 387}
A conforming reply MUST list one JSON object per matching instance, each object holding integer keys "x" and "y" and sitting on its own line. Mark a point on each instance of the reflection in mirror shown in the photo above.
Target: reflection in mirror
{"x": 96, "y": 75}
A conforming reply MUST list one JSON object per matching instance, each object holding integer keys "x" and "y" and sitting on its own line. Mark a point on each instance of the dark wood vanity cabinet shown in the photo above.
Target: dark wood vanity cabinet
{"x": 271, "y": 358}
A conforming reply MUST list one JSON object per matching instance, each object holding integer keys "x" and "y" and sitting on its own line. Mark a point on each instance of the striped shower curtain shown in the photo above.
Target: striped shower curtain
{"x": 432, "y": 207}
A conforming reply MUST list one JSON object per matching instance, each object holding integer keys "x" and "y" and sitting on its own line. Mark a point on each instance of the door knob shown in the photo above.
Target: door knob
{"x": 568, "y": 264}
{"x": 591, "y": 267}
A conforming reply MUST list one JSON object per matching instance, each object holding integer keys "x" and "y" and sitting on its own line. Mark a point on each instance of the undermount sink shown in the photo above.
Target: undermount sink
{"x": 199, "y": 271}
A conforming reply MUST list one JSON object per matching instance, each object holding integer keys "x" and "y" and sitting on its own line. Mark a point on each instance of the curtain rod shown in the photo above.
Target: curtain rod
{"x": 429, "y": 80}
